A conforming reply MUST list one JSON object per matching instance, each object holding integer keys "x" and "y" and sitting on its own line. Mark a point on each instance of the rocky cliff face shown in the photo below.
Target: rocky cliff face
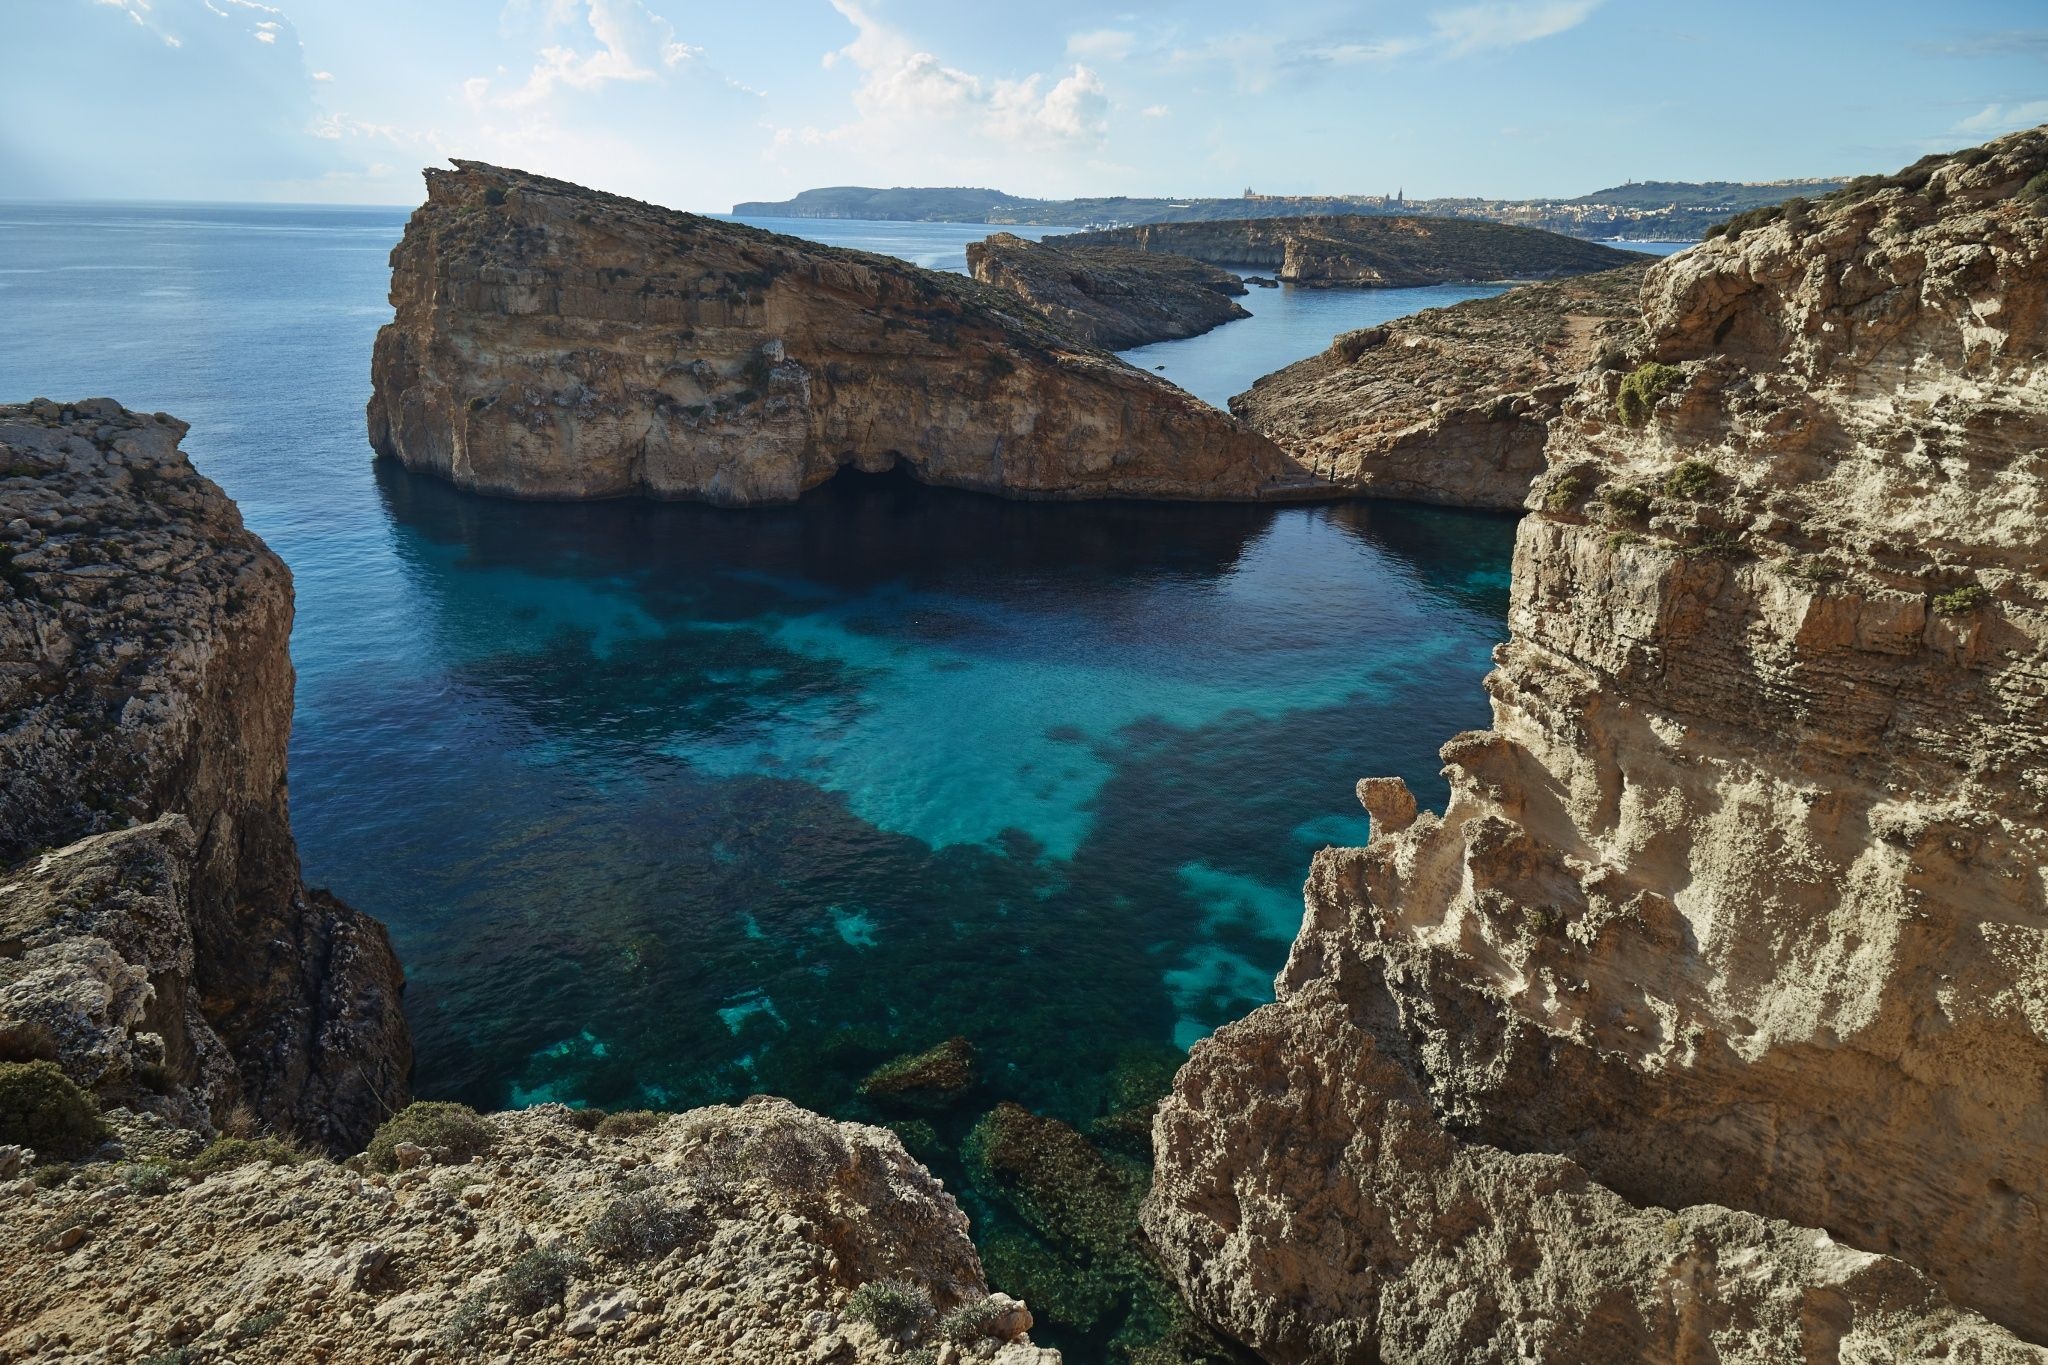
{"x": 555, "y": 342}
{"x": 1452, "y": 405}
{"x": 1368, "y": 250}
{"x": 145, "y": 676}
{"x": 1110, "y": 297}
{"x": 732, "y": 1234}
{"x": 1740, "y": 901}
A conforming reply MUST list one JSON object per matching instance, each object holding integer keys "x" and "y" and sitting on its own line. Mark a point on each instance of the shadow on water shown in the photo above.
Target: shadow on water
{"x": 710, "y": 802}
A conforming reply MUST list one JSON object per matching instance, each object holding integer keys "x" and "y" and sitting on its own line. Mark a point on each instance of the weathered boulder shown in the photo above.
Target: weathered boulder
{"x": 145, "y": 674}
{"x": 1368, "y": 250}
{"x": 1452, "y": 405}
{"x": 1106, "y": 296}
{"x": 1739, "y": 902}
{"x": 552, "y": 341}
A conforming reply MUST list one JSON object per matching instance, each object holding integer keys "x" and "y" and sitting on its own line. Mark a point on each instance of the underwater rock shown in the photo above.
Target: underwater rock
{"x": 1736, "y": 910}
{"x": 145, "y": 673}
{"x": 555, "y": 342}
{"x": 935, "y": 1077}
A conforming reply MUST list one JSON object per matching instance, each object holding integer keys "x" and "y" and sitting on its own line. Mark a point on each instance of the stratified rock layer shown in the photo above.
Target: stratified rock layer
{"x": 1369, "y": 251}
{"x": 1740, "y": 901}
{"x": 730, "y": 1234}
{"x": 551, "y": 341}
{"x": 1452, "y": 405}
{"x": 145, "y": 673}
{"x": 1111, "y": 297}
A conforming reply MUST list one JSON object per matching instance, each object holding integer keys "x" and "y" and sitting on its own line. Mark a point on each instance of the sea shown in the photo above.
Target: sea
{"x": 667, "y": 805}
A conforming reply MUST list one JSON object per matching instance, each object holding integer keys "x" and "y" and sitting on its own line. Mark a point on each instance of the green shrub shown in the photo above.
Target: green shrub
{"x": 467, "y": 1324}
{"x": 1643, "y": 387}
{"x": 436, "y": 1125}
{"x": 1958, "y": 601}
{"x": 642, "y": 1226}
{"x": 629, "y": 1123}
{"x": 253, "y": 1327}
{"x": 1627, "y": 500}
{"x": 891, "y": 1305}
{"x": 969, "y": 1322}
{"x": 1693, "y": 479}
{"x": 1809, "y": 569}
{"x": 226, "y": 1153}
{"x": 148, "y": 1178}
{"x": 1716, "y": 545}
{"x": 42, "y": 1110}
{"x": 1563, "y": 493}
{"x": 538, "y": 1278}
{"x": 2037, "y": 188}
{"x": 1617, "y": 539}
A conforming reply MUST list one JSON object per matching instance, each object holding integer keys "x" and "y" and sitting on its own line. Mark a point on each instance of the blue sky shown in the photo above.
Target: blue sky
{"x": 698, "y": 105}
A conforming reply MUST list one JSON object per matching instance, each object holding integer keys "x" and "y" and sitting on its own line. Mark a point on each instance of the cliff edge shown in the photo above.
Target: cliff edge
{"x": 145, "y": 681}
{"x": 1110, "y": 297}
{"x": 1738, "y": 906}
{"x": 555, "y": 342}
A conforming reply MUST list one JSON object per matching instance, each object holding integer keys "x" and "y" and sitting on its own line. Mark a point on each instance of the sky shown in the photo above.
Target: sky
{"x": 698, "y": 105}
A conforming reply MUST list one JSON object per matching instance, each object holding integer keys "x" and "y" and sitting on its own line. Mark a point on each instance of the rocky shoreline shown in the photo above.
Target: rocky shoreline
{"x": 1368, "y": 251}
{"x": 1110, "y": 298}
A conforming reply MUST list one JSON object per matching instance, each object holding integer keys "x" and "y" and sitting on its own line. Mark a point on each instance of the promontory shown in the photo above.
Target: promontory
{"x": 1108, "y": 296}
{"x": 1368, "y": 251}
{"x": 555, "y": 342}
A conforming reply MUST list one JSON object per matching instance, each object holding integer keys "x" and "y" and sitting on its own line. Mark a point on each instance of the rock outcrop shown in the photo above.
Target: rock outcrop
{"x": 1109, "y": 297}
{"x": 145, "y": 677}
{"x": 731, "y": 1234}
{"x": 1368, "y": 251}
{"x": 1452, "y": 405}
{"x": 1740, "y": 901}
{"x": 551, "y": 341}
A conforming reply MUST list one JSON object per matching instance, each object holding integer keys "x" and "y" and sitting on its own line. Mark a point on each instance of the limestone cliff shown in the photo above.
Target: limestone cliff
{"x": 739, "y": 1234}
{"x": 1111, "y": 297}
{"x": 145, "y": 676}
{"x": 1452, "y": 405}
{"x": 1370, "y": 251}
{"x": 551, "y": 341}
{"x": 1740, "y": 902}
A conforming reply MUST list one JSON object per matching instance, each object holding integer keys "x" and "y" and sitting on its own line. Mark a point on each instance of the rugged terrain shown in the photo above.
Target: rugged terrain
{"x": 1365, "y": 251}
{"x": 1452, "y": 405}
{"x": 551, "y": 341}
{"x": 730, "y": 1234}
{"x": 1109, "y": 297}
{"x": 1739, "y": 905}
{"x": 145, "y": 677}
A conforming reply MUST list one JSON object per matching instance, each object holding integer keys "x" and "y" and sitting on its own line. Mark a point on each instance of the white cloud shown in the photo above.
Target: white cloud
{"x": 1995, "y": 120}
{"x": 903, "y": 89}
{"x": 1156, "y": 111}
{"x": 1101, "y": 45}
{"x": 323, "y": 75}
{"x": 1507, "y": 23}
{"x": 633, "y": 44}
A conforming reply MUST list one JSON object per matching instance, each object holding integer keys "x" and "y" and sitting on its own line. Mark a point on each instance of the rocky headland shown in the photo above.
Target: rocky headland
{"x": 1710, "y": 1018}
{"x": 190, "y": 1039}
{"x": 555, "y": 342}
{"x": 155, "y": 938}
{"x": 1368, "y": 251}
{"x": 1109, "y": 297}
{"x": 1452, "y": 405}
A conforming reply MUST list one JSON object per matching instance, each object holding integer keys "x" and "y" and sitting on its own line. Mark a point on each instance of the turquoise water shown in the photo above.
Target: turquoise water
{"x": 668, "y": 804}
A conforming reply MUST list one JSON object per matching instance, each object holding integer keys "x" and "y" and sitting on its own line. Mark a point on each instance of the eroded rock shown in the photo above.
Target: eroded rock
{"x": 1106, "y": 296}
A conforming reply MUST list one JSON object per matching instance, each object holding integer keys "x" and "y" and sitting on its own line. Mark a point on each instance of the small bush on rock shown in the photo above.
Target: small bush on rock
{"x": 2035, "y": 189}
{"x": 1627, "y": 500}
{"x": 42, "y": 1110}
{"x": 1958, "y": 601}
{"x": 891, "y": 1305}
{"x": 629, "y": 1123}
{"x": 1643, "y": 387}
{"x": 147, "y": 1179}
{"x": 970, "y": 1322}
{"x": 642, "y": 1226}
{"x": 224, "y": 1154}
{"x": 539, "y": 1278}
{"x": 435, "y": 1125}
{"x": 468, "y": 1323}
{"x": 1563, "y": 493}
{"x": 1693, "y": 479}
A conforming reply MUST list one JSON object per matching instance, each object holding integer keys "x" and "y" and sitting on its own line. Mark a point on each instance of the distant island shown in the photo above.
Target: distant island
{"x": 1650, "y": 210}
